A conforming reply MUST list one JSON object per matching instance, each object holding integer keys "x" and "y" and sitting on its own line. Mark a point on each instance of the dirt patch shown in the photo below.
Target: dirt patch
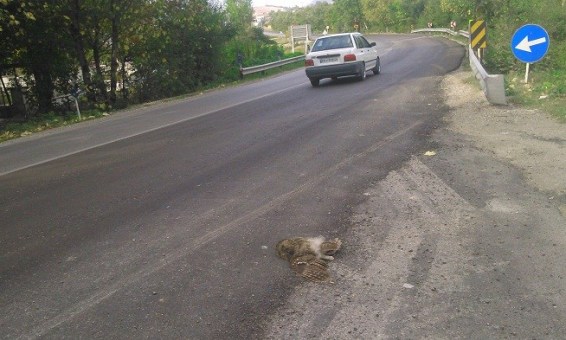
{"x": 529, "y": 139}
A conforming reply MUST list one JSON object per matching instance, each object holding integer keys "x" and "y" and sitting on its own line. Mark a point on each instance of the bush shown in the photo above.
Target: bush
{"x": 251, "y": 49}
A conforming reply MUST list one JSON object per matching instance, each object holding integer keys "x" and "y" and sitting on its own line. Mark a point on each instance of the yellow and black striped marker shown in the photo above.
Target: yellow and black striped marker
{"x": 478, "y": 37}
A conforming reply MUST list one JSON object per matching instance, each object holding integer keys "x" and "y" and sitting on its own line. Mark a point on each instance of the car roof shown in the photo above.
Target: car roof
{"x": 339, "y": 34}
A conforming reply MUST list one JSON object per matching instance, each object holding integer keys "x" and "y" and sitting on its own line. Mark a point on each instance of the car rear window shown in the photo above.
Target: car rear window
{"x": 331, "y": 43}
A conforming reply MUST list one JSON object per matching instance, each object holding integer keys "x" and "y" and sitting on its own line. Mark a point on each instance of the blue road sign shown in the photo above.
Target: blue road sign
{"x": 530, "y": 43}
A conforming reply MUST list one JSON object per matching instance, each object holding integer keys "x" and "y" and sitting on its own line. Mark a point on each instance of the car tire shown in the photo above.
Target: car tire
{"x": 314, "y": 81}
{"x": 362, "y": 74}
{"x": 377, "y": 69}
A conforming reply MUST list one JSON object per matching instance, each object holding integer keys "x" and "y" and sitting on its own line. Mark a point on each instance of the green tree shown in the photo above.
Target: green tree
{"x": 240, "y": 14}
{"x": 38, "y": 47}
{"x": 318, "y": 16}
{"x": 347, "y": 14}
{"x": 434, "y": 14}
{"x": 178, "y": 48}
{"x": 280, "y": 21}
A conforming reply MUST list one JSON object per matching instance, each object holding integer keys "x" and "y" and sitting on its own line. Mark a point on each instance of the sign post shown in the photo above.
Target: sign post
{"x": 75, "y": 93}
{"x": 530, "y": 44}
{"x": 298, "y": 33}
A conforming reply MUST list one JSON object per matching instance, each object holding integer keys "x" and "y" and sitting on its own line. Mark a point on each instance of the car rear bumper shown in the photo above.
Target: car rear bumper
{"x": 329, "y": 71}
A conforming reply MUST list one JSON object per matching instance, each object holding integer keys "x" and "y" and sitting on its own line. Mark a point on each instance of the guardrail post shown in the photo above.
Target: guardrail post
{"x": 75, "y": 95}
{"x": 262, "y": 68}
{"x": 493, "y": 85}
{"x": 77, "y": 105}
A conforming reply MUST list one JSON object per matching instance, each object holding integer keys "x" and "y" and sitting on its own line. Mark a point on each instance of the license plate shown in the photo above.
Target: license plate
{"x": 328, "y": 60}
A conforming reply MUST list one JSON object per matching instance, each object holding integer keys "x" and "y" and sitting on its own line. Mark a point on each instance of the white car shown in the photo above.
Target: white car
{"x": 337, "y": 55}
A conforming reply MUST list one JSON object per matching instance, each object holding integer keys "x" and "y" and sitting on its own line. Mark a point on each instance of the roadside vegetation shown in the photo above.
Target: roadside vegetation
{"x": 15, "y": 128}
{"x": 121, "y": 53}
{"x": 21, "y": 128}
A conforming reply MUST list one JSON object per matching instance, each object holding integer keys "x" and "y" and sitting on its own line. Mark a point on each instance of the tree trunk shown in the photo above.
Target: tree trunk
{"x": 43, "y": 87}
{"x": 125, "y": 84}
{"x": 6, "y": 93}
{"x": 99, "y": 73}
{"x": 75, "y": 30}
{"x": 114, "y": 53}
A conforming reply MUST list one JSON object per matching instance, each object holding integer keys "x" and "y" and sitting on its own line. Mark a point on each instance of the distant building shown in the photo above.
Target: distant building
{"x": 262, "y": 14}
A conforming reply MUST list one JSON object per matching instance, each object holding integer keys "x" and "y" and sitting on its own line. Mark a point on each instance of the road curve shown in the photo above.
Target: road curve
{"x": 160, "y": 222}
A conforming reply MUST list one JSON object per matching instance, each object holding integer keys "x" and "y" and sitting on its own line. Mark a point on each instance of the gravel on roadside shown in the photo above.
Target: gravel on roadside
{"x": 464, "y": 241}
{"x": 529, "y": 139}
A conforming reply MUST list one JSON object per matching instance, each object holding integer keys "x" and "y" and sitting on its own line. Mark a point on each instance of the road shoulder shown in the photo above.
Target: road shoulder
{"x": 526, "y": 138}
{"x": 465, "y": 243}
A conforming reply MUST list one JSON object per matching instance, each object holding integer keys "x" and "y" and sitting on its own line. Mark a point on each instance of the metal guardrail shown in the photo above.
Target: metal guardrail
{"x": 259, "y": 68}
{"x": 73, "y": 97}
{"x": 464, "y": 34}
{"x": 442, "y": 30}
{"x": 493, "y": 85}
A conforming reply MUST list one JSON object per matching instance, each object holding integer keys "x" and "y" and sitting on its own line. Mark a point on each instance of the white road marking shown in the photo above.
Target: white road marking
{"x": 47, "y": 160}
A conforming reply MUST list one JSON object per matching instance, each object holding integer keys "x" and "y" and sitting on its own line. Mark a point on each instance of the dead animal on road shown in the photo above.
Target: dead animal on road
{"x": 309, "y": 256}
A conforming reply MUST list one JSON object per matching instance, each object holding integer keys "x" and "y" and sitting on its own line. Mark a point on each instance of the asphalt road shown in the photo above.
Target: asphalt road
{"x": 161, "y": 222}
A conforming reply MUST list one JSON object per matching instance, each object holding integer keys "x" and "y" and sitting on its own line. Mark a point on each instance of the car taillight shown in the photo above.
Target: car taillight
{"x": 309, "y": 62}
{"x": 350, "y": 57}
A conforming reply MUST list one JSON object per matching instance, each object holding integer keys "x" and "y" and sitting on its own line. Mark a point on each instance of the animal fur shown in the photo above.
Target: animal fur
{"x": 309, "y": 256}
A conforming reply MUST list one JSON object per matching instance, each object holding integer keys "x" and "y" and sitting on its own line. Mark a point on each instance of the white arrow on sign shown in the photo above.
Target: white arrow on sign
{"x": 525, "y": 44}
